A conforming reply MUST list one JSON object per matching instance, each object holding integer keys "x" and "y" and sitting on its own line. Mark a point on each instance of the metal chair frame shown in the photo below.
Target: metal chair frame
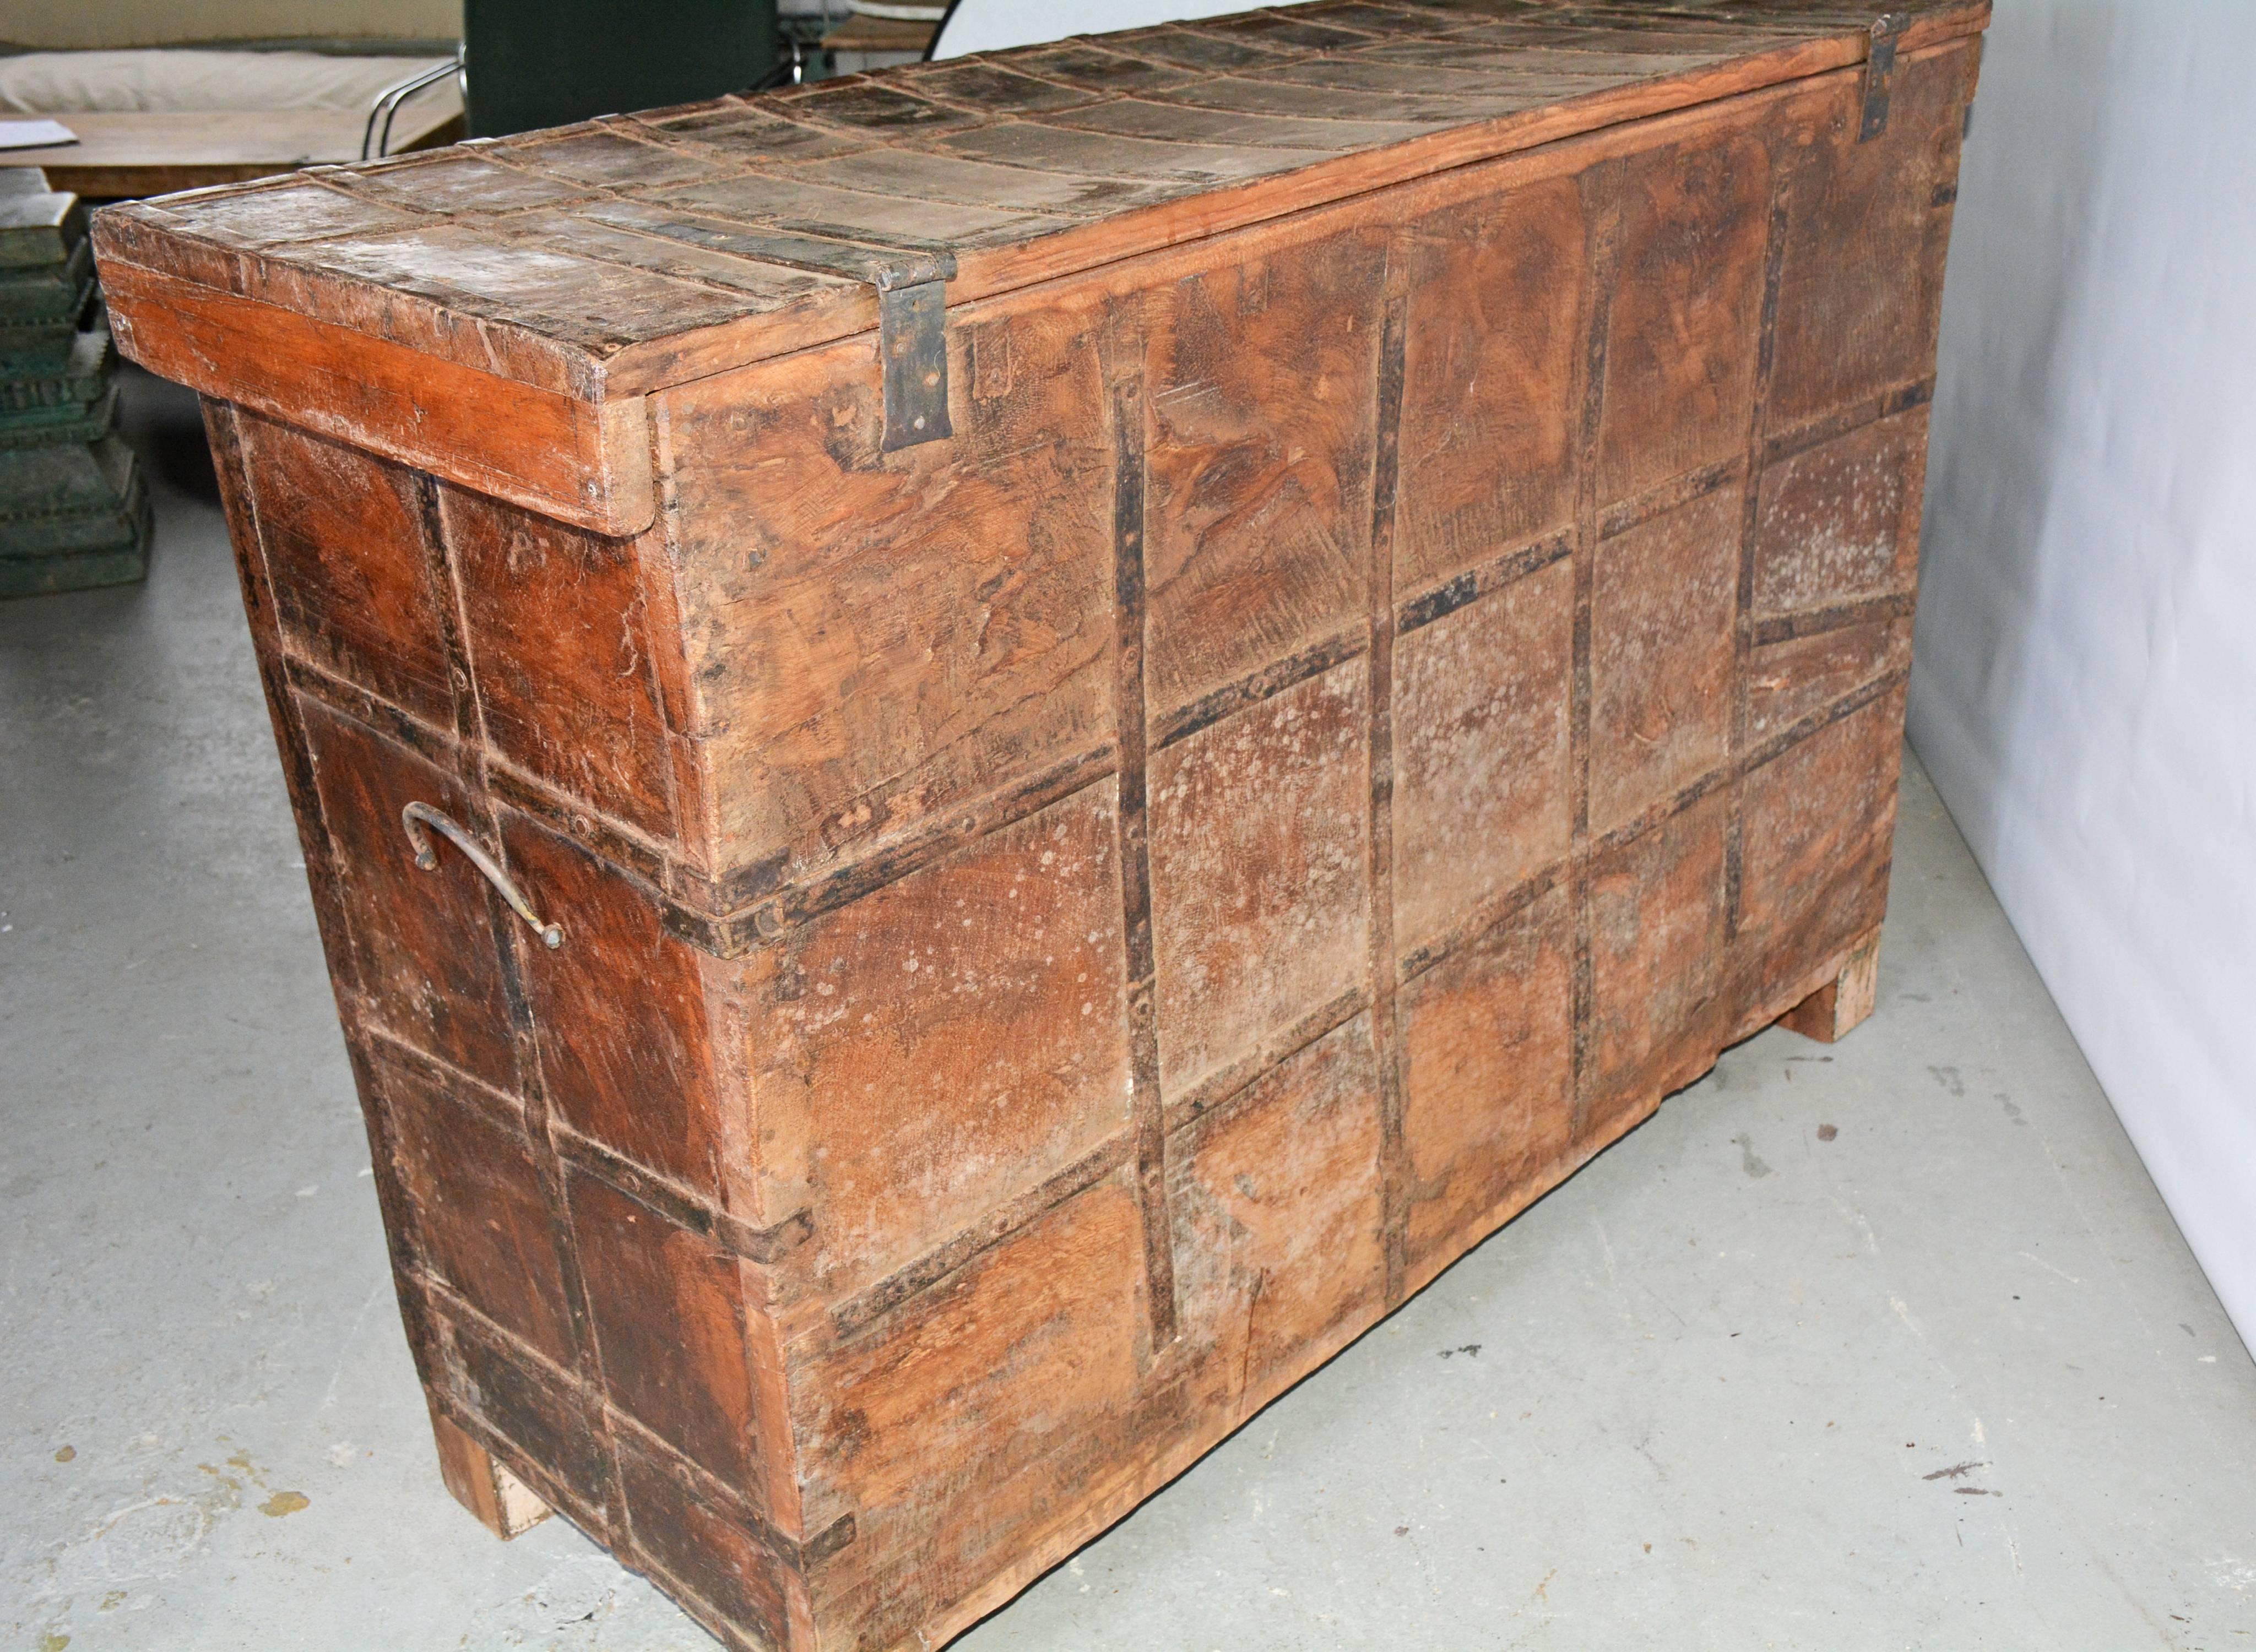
{"x": 373, "y": 147}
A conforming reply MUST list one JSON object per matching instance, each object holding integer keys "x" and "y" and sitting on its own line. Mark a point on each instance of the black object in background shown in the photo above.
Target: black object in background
{"x": 547, "y": 62}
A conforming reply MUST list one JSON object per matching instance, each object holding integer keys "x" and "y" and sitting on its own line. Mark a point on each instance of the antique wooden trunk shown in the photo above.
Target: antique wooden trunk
{"x": 1116, "y": 697}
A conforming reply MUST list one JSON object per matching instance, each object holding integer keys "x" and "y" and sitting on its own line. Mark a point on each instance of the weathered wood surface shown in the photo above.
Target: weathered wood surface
{"x": 482, "y": 1485}
{"x": 1073, "y": 175}
{"x": 1066, "y": 925}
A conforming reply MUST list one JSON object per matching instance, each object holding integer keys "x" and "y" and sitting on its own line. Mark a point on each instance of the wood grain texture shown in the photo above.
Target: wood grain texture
{"x": 876, "y": 638}
{"x": 1278, "y": 1228}
{"x": 354, "y": 586}
{"x": 1844, "y": 1003}
{"x": 1011, "y": 1387}
{"x": 1023, "y": 112}
{"x": 687, "y": 1539}
{"x": 1681, "y": 336}
{"x": 502, "y": 1503}
{"x": 537, "y": 1422}
{"x": 1797, "y": 677}
{"x": 1481, "y": 794}
{"x": 1488, "y": 1077}
{"x": 1258, "y": 893}
{"x": 1659, "y": 1011}
{"x": 1839, "y": 522}
{"x": 671, "y": 1327}
{"x": 1863, "y": 294}
{"x": 1662, "y": 657}
{"x": 1259, "y": 460}
{"x": 1486, "y": 403}
{"x": 621, "y": 1013}
{"x": 479, "y": 1222}
{"x": 427, "y": 960}
{"x": 581, "y": 462}
{"x": 1819, "y": 819}
{"x": 949, "y": 1043}
{"x": 1064, "y": 925}
{"x": 563, "y": 658}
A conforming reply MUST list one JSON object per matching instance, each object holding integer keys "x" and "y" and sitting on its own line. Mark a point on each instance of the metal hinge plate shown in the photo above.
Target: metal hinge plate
{"x": 912, "y": 350}
{"x": 1880, "y": 73}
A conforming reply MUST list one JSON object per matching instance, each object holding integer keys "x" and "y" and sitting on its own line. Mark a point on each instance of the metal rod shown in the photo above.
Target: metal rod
{"x": 416, "y": 816}
{"x": 388, "y": 99}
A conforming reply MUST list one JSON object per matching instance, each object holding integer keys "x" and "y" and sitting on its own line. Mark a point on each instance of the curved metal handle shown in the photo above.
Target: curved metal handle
{"x": 416, "y": 816}
{"x": 387, "y": 103}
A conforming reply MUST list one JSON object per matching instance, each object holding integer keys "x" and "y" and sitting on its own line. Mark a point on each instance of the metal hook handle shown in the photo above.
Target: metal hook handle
{"x": 387, "y": 103}
{"x": 416, "y": 816}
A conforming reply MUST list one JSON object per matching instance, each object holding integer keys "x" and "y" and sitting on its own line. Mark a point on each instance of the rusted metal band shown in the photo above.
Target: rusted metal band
{"x": 1886, "y": 33}
{"x": 912, "y": 347}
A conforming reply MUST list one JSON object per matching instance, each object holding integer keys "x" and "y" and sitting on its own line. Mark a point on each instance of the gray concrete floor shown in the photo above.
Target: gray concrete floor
{"x": 1944, "y": 1377}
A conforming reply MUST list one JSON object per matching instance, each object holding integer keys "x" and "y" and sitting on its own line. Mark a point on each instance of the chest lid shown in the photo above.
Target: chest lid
{"x": 553, "y": 278}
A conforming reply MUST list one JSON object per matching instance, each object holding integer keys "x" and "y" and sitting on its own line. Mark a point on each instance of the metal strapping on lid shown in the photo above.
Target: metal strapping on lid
{"x": 1880, "y": 73}
{"x": 912, "y": 347}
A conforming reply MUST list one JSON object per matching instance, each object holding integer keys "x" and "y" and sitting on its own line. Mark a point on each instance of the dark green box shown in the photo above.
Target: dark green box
{"x": 43, "y": 426}
{"x": 84, "y": 373}
{"x": 72, "y": 515}
{"x": 549, "y": 62}
{"x": 49, "y": 291}
{"x": 38, "y": 225}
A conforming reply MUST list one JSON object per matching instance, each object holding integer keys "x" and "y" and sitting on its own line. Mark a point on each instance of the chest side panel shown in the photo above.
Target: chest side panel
{"x": 562, "y": 1163}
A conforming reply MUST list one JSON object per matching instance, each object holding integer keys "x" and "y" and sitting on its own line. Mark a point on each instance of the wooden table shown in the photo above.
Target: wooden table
{"x": 135, "y": 153}
{"x": 864, "y": 43}
{"x": 860, "y": 33}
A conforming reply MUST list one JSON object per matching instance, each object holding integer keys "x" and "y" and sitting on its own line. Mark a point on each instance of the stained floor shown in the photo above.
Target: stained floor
{"x": 1887, "y": 1345}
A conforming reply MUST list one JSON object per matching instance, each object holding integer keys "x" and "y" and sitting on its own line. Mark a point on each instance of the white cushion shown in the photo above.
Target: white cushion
{"x": 166, "y": 80}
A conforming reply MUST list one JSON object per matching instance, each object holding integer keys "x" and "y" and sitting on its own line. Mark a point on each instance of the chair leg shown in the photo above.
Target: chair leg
{"x": 1843, "y": 1001}
{"x": 503, "y": 1502}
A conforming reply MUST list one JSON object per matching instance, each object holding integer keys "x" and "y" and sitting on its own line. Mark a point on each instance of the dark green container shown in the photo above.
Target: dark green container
{"x": 84, "y": 376}
{"x": 549, "y": 62}
{"x": 46, "y": 425}
{"x": 49, "y": 291}
{"x": 71, "y": 516}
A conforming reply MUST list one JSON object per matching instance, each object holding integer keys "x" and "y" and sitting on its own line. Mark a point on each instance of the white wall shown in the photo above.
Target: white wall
{"x": 2085, "y": 686}
{"x": 992, "y": 26}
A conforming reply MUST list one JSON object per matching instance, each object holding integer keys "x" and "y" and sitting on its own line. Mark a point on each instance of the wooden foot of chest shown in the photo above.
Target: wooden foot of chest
{"x": 1843, "y": 1002}
{"x": 504, "y": 1503}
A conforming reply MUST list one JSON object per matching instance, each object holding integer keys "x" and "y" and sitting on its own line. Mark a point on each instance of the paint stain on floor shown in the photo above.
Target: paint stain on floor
{"x": 1748, "y": 1161}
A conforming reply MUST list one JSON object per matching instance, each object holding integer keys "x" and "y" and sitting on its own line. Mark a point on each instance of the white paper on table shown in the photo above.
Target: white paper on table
{"x": 34, "y": 134}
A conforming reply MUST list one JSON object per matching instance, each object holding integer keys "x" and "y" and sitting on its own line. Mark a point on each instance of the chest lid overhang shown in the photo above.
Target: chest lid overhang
{"x": 589, "y": 265}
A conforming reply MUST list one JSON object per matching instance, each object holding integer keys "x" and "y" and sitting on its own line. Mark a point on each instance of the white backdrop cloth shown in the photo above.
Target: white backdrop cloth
{"x": 991, "y": 25}
{"x": 2085, "y": 687}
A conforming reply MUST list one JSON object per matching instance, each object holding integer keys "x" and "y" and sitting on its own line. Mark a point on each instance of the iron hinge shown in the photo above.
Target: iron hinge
{"x": 912, "y": 347}
{"x": 1880, "y": 73}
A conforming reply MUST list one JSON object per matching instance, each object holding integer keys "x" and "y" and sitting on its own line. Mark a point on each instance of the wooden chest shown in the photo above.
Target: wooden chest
{"x": 1129, "y": 691}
